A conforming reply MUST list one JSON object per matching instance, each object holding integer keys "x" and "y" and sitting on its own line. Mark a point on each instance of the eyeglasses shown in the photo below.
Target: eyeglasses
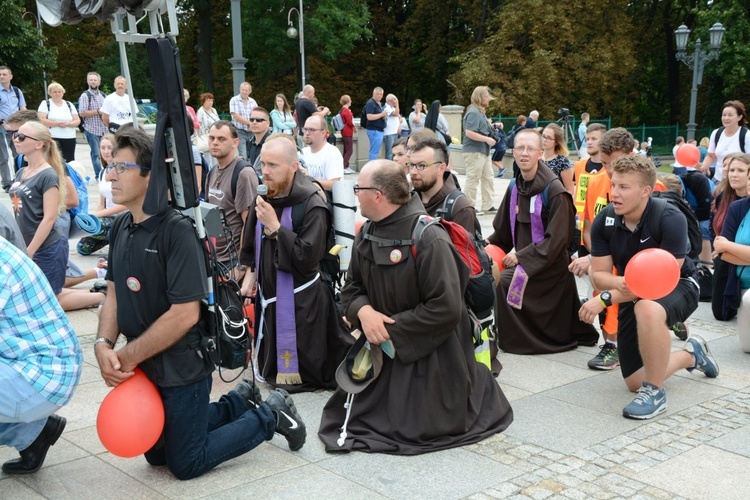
{"x": 547, "y": 138}
{"x": 357, "y": 189}
{"x": 311, "y": 130}
{"x": 22, "y": 137}
{"x": 121, "y": 166}
{"x": 422, "y": 166}
{"x": 259, "y": 120}
{"x": 526, "y": 149}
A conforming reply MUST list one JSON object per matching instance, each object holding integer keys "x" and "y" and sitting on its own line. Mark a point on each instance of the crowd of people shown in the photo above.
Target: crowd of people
{"x": 385, "y": 345}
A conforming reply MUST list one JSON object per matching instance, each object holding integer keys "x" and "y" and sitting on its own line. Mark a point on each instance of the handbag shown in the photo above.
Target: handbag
{"x": 200, "y": 141}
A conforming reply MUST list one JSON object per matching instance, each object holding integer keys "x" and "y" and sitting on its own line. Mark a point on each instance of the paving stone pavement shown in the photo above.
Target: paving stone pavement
{"x": 568, "y": 439}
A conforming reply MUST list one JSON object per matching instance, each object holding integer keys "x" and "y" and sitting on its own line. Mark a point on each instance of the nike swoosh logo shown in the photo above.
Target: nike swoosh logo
{"x": 644, "y": 241}
{"x": 291, "y": 420}
{"x": 658, "y": 401}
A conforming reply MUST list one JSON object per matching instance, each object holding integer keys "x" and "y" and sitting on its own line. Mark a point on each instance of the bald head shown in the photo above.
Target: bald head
{"x": 308, "y": 90}
{"x": 284, "y": 148}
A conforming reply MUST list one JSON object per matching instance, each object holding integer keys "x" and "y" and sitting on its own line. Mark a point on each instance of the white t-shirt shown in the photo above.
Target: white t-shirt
{"x": 727, "y": 145}
{"x": 118, "y": 108}
{"x": 674, "y": 153}
{"x": 326, "y": 164}
{"x": 392, "y": 124}
{"x": 62, "y": 114}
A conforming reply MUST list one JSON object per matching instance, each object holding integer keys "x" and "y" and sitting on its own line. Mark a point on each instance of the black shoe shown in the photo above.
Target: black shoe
{"x": 288, "y": 422}
{"x": 33, "y": 457}
{"x": 250, "y": 394}
{"x": 491, "y": 210}
{"x": 680, "y": 330}
{"x": 99, "y": 287}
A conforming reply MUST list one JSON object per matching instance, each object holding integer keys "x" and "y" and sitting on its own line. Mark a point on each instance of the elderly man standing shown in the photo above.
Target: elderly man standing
{"x": 89, "y": 109}
{"x": 537, "y": 299}
{"x": 376, "y": 121}
{"x": 427, "y": 392}
{"x": 241, "y": 106}
{"x": 40, "y": 361}
{"x": 300, "y": 337}
{"x": 116, "y": 110}
{"x": 11, "y": 100}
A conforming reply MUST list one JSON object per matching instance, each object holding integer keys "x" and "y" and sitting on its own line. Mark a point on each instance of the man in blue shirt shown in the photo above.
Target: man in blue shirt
{"x": 583, "y": 151}
{"x": 11, "y": 100}
{"x": 40, "y": 361}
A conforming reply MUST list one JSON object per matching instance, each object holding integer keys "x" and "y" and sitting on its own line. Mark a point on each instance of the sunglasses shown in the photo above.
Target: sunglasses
{"x": 22, "y": 137}
{"x": 259, "y": 120}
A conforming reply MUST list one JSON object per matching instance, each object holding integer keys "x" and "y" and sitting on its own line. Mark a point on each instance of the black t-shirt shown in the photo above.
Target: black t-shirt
{"x": 305, "y": 108}
{"x": 592, "y": 166}
{"x": 373, "y": 108}
{"x": 153, "y": 265}
{"x": 624, "y": 244}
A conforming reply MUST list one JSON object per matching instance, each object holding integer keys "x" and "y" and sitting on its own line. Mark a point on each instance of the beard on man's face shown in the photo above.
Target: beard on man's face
{"x": 275, "y": 189}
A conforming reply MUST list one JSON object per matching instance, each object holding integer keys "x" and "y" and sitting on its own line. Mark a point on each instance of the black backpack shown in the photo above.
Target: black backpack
{"x": 510, "y": 137}
{"x": 363, "y": 116}
{"x": 743, "y": 133}
{"x": 660, "y": 201}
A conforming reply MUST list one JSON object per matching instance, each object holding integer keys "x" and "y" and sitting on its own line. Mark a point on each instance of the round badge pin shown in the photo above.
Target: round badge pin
{"x": 396, "y": 256}
{"x": 133, "y": 284}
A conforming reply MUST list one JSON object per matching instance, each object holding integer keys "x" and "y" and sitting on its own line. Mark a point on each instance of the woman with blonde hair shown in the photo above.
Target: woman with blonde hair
{"x": 38, "y": 196}
{"x": 62, "y": 119}
{"x": 555, "y": 155}
{"x": 476, "y": 150}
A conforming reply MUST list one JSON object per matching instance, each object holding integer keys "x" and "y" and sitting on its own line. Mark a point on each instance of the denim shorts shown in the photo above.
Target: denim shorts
{"x": 53, "y": 261}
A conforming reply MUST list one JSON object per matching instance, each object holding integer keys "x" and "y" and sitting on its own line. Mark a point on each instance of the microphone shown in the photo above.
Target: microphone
{"x": 263, "y": 192}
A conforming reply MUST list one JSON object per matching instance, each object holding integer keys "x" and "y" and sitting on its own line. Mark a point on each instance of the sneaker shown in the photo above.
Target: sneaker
{"x": 288, "y": 422}
{"x": 89, "y": 245}
{"x": 680, "y": 330}
{"x": 491, "y": 210}
{"x": 348, "y": 171}
{"x": 704, "y": 362}
{"x": 649, "y": 402}
{"x": 250, "y": 394}
{"x": 500, "y": 173}
{"x": 607, "y": 359}
{"x": 478, "y": 212}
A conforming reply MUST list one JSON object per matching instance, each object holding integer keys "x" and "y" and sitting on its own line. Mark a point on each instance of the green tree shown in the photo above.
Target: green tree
{"x": 573, "y": 54}
{"x": 20, "y": 50}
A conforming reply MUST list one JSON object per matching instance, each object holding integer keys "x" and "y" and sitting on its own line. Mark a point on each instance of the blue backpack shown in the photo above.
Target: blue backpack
{"x": 81, "y": 189}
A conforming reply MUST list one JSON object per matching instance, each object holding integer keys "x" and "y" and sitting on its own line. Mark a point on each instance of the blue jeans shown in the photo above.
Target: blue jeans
{"x": 198, "y": 436}
{"x": 389, "y": 140}
{"x": 245, "y": 137}
{"x": 23, "y": 411}
{"x": 93, "y": 141}
{"x": 376, "y": 140}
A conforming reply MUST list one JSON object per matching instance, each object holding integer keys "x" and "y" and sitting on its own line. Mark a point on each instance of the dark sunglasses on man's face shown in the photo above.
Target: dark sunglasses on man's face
{"x": 259, "y": 120}
{"x": 22, "y": 137}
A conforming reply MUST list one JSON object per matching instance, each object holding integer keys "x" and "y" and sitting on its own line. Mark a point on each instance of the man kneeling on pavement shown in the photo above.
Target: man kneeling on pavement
{"x": 644, "y": 337}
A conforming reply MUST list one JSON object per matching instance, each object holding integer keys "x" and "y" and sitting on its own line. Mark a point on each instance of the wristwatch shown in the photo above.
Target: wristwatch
{"x": 606, "y": 298}
{"x": 102, "y": 340}
{"x": 270, "y": 234}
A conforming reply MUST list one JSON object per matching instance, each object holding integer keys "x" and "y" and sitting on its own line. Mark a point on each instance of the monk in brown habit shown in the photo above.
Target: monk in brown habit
{"x": 537, "y": 299}
{"x": 300, "y": 336}
{"x": 418, "y": 388}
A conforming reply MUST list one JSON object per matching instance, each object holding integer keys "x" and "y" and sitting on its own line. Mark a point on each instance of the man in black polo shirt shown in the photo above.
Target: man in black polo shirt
{"x": 643, "y": 336}
{"x": 376, "y": 120}
{"x": 156, "y": 283}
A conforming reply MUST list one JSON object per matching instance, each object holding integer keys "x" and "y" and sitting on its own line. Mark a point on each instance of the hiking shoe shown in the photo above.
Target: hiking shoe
{"x": 704, "y": 362}
{"x": 288, "y": 422}
{"x": 607, "y": 359}
{"x": 680, "y": 330}
{"x": 89, "y": 245}
{"x": 250, "y": 394}
{"x": 649, "y": 402}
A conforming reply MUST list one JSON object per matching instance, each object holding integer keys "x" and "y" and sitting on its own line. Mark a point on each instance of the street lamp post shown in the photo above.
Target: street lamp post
{"x": 291, "y": 32}
{"x": 697, "y": 61}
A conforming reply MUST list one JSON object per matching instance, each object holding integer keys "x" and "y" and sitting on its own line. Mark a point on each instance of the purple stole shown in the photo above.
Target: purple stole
{"x": 520, "y": 278}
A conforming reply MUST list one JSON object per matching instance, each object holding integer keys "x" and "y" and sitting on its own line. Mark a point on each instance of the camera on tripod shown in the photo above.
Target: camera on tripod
{"x": 564, "y": 112}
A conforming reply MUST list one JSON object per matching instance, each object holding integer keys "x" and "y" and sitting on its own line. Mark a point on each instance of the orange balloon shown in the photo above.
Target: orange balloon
{"x": 688, "y": 155}
{"x": 358, "y": 226}
{"x": 652, "y": 273}
{"x": 131, "y": 417}
{"x": 496, "y": 254}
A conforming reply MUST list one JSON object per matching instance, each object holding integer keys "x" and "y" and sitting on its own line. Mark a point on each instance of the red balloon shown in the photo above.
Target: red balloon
{"x": 250, "y": 315}
{"x": 358, "y": 226}
{"x": 688, "y": 155}
{"x": 496, "y": 254}
{"x": 131, "y": 417}
{"x": 652, "y": 273}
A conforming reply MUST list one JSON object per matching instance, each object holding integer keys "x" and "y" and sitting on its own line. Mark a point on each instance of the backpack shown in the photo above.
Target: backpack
{"x": 363, "y": 117}
{"x": 224, "y": 328}
{"x": 446, "y": 213}
{"x": 705, "y": 281}
{"x": 500, "y": 145}
{"x": 83, "y": 193}
{"x": 90, "y": 96}
{"x": 338, "y": 122}
{"x": 510, "y": 137}
{"x": 661, "y": 199}
{"x": 241, "y": 164}
{"x": 743, "y": 133}
{"x": 688, "y": 193}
